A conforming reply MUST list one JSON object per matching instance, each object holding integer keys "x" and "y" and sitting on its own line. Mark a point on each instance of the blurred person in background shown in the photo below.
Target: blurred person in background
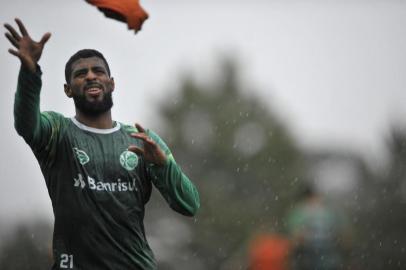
{"x": 318, "y": 234}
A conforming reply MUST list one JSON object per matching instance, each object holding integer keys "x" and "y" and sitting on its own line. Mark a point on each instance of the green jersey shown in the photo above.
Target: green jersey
{"x": 97, "y": 187}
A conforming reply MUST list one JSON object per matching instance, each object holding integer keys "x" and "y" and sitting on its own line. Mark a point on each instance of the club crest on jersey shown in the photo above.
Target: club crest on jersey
{"x": 128, "y": 160}
{"x": 81, "y": 155}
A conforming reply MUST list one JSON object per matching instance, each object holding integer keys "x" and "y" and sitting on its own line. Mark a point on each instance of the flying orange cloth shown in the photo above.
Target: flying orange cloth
{"x": 128, "y": 11}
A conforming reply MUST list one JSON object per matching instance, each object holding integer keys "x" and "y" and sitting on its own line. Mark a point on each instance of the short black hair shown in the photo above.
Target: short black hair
{"x": 85, "y": 53}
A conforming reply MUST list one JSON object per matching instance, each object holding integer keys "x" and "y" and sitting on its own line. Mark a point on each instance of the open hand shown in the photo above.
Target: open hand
{"x": 26, "y": 49}
{"x": 151, "y": 151}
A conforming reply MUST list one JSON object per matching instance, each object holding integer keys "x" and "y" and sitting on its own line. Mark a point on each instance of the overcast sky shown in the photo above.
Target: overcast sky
{"x": 335, "y": 70}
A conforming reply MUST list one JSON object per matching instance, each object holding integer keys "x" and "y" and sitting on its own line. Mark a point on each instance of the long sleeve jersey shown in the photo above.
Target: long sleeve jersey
{"x": 97, "y": 187}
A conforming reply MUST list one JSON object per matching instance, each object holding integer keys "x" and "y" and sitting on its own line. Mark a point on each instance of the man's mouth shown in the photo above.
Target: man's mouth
{"x": 94, "y": 90}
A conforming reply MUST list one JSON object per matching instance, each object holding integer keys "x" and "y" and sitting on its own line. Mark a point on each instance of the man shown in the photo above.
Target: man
{"x": 98, "y": 171}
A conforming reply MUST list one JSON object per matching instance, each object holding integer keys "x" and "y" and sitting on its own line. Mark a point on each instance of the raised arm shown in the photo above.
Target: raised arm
{"x": 180, "y": 193}
{"x": 27, "y": 115}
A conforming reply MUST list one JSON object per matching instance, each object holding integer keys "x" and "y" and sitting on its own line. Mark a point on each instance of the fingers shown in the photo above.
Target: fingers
{"x": 142, "y": 134}
{"x": 45, "y": 38}
{"x": 14, "y": 52}
{"x": 150, "y": 151}
{"x": 21, "y": 26}
{"x": 144, "y": 137}
{"x": 140, "y": 128}
{"x": 13, "y": 32}
{"x": 12, "y": 40}
{"x": 136, "y": 150}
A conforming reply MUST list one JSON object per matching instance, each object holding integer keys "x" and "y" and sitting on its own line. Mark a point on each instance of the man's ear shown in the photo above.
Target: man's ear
{"x": 68, "y": 90}
{"x": 112, "y": 84}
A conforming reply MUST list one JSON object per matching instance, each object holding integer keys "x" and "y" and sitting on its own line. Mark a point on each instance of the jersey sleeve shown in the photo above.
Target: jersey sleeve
{"x": 177, "y": 189}
{"x": 39, "y": 130}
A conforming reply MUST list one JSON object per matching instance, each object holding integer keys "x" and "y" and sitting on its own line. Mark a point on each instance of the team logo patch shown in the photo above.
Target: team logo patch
{"x": 81, "y": 155}
{"x": 79, "y": 182}
{"x": 128, "y": 160}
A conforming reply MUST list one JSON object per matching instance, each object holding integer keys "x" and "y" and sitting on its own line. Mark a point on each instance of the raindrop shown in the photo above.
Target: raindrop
{"x": 294, "y": 181}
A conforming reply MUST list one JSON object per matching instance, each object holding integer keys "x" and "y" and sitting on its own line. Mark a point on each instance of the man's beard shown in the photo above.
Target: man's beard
{"x": 93, "y": 108}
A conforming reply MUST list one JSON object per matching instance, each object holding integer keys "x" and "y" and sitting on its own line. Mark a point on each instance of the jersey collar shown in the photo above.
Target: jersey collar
{"x": 96, "y": 130}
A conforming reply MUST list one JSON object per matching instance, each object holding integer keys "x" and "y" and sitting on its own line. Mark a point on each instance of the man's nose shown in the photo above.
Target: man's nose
{"x": 90, "y": 75}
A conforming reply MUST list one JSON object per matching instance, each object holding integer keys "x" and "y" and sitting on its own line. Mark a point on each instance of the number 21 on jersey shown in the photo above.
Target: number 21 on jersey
{"x": 66, "y": 261}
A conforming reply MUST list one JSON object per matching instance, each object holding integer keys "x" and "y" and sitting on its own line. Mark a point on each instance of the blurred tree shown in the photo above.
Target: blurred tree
{"x": 28, "y": 247}
{"x": 380, "y": 214}
{"x": 242, "y": 158}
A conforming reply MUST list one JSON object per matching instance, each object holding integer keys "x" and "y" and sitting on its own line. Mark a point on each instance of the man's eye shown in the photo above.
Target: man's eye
{"x": 80, "y": 74}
